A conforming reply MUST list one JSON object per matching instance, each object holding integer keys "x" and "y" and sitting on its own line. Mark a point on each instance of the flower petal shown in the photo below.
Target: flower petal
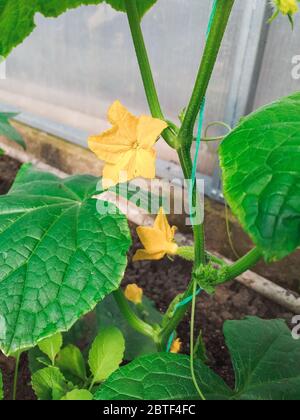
{"x": 109, "y": 145}
{"x": 145, "y": 164}
{"x": 161, "y": 223}
{"x": 152, "y": 239}
{"x": 148, "y": 130}
{"x": 115, "y": 173}
{"x": 127, "y": 123}
{"x": 143, "y": 255}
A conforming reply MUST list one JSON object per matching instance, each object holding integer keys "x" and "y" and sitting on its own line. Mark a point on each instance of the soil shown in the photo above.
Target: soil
{"x": 163, "y": 280}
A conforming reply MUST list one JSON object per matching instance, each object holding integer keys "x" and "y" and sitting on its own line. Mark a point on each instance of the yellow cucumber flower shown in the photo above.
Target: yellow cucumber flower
{"x": 287, "y": 7}
{"x": 134, "y": 294}
{"x": 127, "y": 148}
{"x": 176, "y": 346}
{"x": 158, "y": 240}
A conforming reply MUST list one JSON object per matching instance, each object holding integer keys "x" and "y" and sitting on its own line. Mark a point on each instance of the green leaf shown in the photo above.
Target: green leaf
{"x": 6, "y": 129}
{"x": 106, "y": 353}
{"x": 78, "y": 395}
{"x": 51, "y": 346}
{"x": 108, "y": 314}
{"x": 70, "y": 360}
{"x": 1, "y": 387}
{"x": 260, "y": 160}
{"x": 17, "y": 16}
{"x": 162, "y": 376}
{"x": 49, "y": 384}
{"x": 265, "y": 358}
{"x": 59, "y": 255}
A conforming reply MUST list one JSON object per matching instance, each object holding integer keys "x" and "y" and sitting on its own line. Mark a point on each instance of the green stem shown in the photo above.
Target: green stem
{"x": 244, "y": 264}
{"x": 133, "y": 320}
{"x": 192, "y": 343}
{"x": 145, "y": 68}
{"x": 198, "y": 230}
{"x": 16, "y": 376}
{"x": 236, "y": 269}
{"x": 176, "y": 319}
{"x": 211, "y": 51}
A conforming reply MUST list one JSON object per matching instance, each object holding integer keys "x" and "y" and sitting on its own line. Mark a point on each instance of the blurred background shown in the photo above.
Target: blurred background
{"x": 65, "y": 75}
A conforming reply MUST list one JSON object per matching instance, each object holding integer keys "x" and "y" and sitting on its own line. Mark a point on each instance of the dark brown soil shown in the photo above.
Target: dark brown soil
{"x": 163, "y": 280}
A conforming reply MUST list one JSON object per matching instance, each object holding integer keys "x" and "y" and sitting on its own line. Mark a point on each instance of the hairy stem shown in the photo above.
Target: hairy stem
{"x": 145, "y": 68}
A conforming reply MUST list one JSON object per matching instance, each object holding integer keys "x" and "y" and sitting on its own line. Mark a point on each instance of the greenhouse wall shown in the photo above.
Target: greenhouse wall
{"x": 64, "y": 77}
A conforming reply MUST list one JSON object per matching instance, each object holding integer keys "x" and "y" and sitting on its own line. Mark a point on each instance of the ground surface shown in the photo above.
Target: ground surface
{"x": 162, "y": 281}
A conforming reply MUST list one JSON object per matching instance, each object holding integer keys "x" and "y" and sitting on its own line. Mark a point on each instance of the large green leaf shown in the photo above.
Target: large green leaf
{"x": 265, "y": 358}
{"x": 58, "y": 255}
{"x": 17, "y": 16}
{"x": 260, "y": 160}
{"x": 6, "y": 129}
{"x": 162, "y": 376}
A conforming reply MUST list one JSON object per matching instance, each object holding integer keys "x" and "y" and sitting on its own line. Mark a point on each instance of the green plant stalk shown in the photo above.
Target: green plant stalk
{"x": 236, "y": 269}
{"x": 198, "y": 229}
{"x": 212, "y": 47}
{"x": 188, "y": 254}
{"x": 192, "y": 343}
{"x": 145, "y": 68}
{"x": 134, "y": 321}
{"x": 185, "y": 139}
{"x": 243, "y": 264}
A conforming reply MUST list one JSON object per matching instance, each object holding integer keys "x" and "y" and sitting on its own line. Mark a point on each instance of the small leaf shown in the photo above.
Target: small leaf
{"x": 70, "y": 360}
{"x": 260, "y": 160}
{"x": 1, "y": 387}
{"x": 106, "y": 353}
{"x": 162, "y": 376}
{"x": 51, "y": 346}
{"x": 78, "y": 395}
{"x": 49, "y": 384}
{"x": 6, "y": 129}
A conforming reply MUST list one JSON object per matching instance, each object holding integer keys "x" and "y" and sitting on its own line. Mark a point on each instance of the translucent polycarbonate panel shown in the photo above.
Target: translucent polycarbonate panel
{"x": 71, "y": 68}
{"x": 280, "y": 71}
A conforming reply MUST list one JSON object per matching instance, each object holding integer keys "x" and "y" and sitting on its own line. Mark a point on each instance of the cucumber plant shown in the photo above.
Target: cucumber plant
{"x": 61, "y": 256}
